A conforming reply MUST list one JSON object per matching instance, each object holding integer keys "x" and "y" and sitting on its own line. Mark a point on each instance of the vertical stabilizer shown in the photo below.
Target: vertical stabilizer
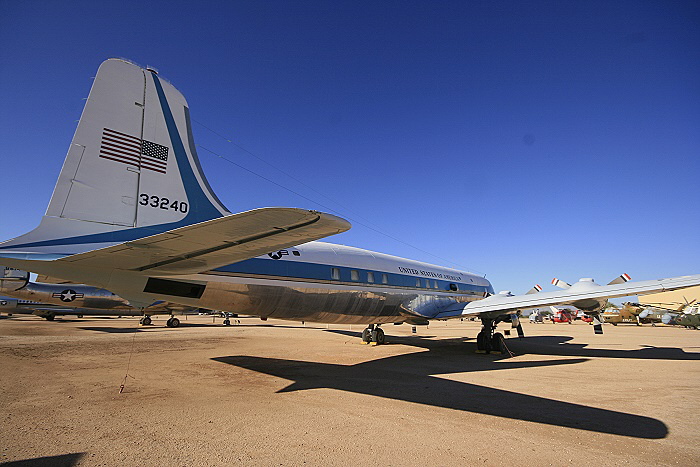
{"x": 131, "y": 169}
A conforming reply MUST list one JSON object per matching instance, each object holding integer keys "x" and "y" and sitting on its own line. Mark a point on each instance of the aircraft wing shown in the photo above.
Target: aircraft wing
{"x": 214, "y": 243}
{"x": 581, "y": 295}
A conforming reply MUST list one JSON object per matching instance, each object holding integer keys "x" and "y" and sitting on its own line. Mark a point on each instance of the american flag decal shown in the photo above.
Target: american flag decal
{"x": 130, "y": 150}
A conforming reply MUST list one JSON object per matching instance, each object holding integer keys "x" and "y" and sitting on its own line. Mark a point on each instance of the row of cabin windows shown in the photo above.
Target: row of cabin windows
{"x": 355, "y": 276}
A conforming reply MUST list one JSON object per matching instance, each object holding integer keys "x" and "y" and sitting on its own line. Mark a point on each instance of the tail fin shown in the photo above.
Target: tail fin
{"x": 131, "y": 169}
{"x": 12, "y": 279}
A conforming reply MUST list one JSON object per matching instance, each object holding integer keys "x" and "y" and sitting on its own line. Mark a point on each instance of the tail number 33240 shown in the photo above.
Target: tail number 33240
{"x": 161, "y": 202}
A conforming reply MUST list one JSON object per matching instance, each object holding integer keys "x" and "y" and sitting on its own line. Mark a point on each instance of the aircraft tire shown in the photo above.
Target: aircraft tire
{"x": 497, "y": 342}
{"x": 227, "y": 322}
{"x": 366, "y": 335}
{"x": 173, "y": 322}
{"x": 381, "y": 338}
{"x": 481, "y": 340}
{"x": 50, "y": 317}
{"x": 146, "y": 320}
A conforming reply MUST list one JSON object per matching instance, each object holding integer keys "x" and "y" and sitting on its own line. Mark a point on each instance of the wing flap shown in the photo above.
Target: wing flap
{"x": 215, "y": 243}
{"x": 510, "y": 304}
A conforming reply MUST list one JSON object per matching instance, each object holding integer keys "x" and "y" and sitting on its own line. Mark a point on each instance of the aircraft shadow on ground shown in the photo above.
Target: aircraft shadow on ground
{"x": 110, "y": 329}
{"x": 409, "y": 377}
{"x": 544, "y": 345}
{"x": 116, "y": 330}
{"x": 559, "y": 345}
{"x": 63, "y": 460}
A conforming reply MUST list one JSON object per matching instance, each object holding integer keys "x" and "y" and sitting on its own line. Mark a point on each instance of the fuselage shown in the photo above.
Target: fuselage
{"x": 315, "y": 282}
{"x": 323, "y": 282}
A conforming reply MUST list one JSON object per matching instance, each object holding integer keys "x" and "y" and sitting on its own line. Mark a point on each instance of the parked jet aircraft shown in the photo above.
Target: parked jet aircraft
{"x": 51, "y": 300}
{"x": 132, "y": 213}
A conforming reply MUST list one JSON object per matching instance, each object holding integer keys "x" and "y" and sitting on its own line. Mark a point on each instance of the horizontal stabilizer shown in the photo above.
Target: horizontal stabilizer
{"x": 215, "y": 243}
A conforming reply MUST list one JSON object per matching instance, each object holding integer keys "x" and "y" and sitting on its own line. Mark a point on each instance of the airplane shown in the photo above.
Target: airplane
{"x": 49, "y": 300}
{"x": 132, "y": 212}
{"x": 15, "y": 306}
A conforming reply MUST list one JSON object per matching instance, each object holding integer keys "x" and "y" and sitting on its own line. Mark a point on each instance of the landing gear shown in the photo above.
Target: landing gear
{"x": 515, "y": 321}
{"x": 50, "y": 317}
{"x": 145, "y": 321}
{"x": 373, "y": 335}
{"x": 598, "y": 323}
{"x": 173, "y": 322}
{"x": 227, "y": 322}
{"x": 488, "y": 341}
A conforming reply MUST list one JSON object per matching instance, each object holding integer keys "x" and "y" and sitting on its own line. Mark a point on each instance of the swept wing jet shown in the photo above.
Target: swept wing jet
{"x": 49, "y": 300}
{"x": 133, "y": 213}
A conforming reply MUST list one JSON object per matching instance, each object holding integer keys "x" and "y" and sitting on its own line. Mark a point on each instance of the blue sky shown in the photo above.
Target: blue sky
{"x": 521, "y": 140}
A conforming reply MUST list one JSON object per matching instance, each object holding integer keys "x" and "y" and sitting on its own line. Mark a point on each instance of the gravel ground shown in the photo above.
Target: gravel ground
{"x": 278, "y": 393}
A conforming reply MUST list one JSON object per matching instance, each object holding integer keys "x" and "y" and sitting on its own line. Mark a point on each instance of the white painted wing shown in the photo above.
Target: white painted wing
{"x": 577, "y": 293}
{"x": 215, "y": 243}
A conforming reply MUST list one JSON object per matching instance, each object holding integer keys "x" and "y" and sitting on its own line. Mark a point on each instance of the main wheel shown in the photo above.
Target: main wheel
{"x": 481, "y": 340}
{"x": 146, "y": 320}
{"x": 497, "y": 342}
{"x": 227, "y": 322}
{"x": 366, "y": 335}
{"x": 381, "y": 339}
{"x": 173, "y": 322}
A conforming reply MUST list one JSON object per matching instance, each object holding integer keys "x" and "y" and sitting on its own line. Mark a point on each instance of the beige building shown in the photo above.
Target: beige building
{"x": 672, "y": 299}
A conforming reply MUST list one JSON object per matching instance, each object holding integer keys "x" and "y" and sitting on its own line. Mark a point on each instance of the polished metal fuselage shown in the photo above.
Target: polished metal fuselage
{"x": 314, "y": 303}
{"x": 272, "y": 287}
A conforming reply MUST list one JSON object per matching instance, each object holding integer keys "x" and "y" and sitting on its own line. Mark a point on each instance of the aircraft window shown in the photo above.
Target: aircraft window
{"x": 354, "y": 275}
{"x": 385, "y": 279}
{"x": 335, "y": 274}
{"x": 417, "y": 282}
{"x": 453, "y": 287}
{"x": 370, "y": 276}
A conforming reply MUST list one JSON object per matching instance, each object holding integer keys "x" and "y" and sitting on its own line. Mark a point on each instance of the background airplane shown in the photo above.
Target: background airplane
{"x": 49, "y": 300}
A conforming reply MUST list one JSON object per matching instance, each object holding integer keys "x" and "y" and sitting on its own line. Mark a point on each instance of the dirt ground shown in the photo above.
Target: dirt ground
{"x": 278, "y": 393}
